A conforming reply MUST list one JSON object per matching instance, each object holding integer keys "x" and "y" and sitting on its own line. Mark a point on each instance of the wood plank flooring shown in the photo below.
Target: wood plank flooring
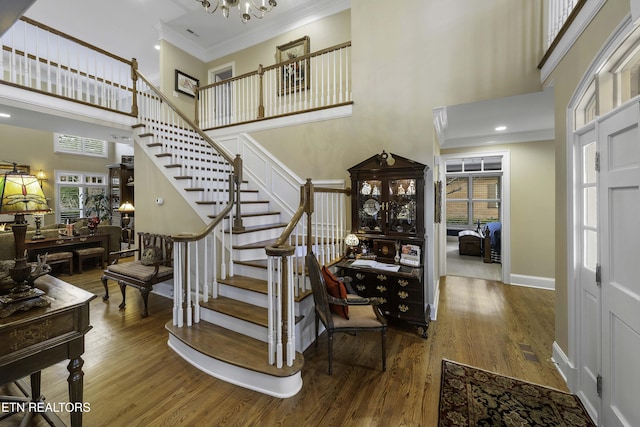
{"x": 132, "y": 378}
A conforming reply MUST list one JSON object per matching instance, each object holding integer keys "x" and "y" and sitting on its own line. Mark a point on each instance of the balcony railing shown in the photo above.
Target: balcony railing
{"x": 307, "y": 83}
{"x": 39, "y": 58}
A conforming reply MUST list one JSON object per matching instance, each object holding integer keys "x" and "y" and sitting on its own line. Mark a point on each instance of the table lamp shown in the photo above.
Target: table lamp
{"x": 20, "y": 194}
{"x": 352, "y": 242}
{"x": 126, "y": 208}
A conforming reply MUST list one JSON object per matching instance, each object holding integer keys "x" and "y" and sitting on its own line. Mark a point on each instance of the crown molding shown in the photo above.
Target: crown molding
{"x": 271, "y": 27}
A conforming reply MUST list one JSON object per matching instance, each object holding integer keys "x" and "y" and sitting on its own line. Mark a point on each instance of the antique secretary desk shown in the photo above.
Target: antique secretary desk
{"x": 388, "y": 205}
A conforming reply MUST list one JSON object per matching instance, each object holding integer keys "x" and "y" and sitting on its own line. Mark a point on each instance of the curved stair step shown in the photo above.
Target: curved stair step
{"x": 235, "y": 358}
{"x": 238, "y": 309}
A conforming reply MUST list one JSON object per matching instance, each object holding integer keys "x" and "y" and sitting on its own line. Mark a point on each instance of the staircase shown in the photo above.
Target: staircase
{"x": 227, "y": 331}
{"x": 239, "y": 314}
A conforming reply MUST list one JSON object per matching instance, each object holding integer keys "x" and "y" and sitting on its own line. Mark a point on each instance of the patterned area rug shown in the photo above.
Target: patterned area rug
{"x": 473, "y": 397}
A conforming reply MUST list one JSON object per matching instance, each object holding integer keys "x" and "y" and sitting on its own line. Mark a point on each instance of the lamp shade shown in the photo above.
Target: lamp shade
{"x": 126, "y": 207}
{"x": 20, "y": 193}
{"x": 351, "y": 240}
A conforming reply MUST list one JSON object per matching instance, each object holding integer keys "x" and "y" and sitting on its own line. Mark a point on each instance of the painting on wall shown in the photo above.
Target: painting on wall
{"x": 186, "y": 84}
{"x": 295, "y": 72}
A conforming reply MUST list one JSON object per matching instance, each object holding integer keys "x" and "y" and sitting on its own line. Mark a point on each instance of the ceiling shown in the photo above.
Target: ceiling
{"x": 131, "y": 29}
{"x": 528, "y": 117}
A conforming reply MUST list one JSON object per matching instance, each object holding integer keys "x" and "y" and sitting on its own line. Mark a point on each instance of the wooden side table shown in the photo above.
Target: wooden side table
{"x": 41, "y": 337}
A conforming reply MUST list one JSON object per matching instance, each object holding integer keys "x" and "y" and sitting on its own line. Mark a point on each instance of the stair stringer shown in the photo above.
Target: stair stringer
{"x": 281, "y": 387}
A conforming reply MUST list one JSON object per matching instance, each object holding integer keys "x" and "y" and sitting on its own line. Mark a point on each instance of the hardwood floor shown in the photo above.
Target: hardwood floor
{"x": 132, "y": 378}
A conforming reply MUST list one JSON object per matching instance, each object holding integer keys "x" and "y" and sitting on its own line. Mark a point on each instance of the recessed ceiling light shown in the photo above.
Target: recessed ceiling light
{"x": 157, "y": 47}
{"x": 5, "y": 115}
{"x": 500, "y": 128}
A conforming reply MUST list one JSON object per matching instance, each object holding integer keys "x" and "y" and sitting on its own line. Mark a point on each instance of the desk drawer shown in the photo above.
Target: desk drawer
{"x": 38, "y": 332}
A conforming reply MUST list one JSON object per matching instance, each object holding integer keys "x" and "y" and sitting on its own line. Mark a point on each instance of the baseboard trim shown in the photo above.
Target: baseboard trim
{"x": 533, "y": 281}
{"x": 564, "y": 366}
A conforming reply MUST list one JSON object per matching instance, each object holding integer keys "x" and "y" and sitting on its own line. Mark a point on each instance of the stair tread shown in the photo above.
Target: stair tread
{"x": 248, "y": 283}
{"x": 253, "y": 228}
{"x": 255, "y": 285}
{"x": 256, "y": 245}
{"x": 238, "y": 309}
{"x": 232, "y": 348}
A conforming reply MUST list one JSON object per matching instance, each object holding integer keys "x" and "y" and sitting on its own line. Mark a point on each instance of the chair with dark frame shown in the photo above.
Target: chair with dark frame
{"x": 363, "y": 315}
{"x": 154, "y": 264}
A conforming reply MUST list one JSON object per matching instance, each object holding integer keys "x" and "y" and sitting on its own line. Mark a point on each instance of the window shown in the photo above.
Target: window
{"x": 78, "y": 145}
{"x": 473, "y": 191}
{"x": 71, "y": 188}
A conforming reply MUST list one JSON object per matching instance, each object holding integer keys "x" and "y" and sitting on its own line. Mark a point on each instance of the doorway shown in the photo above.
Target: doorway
{"x": 223, "y": 99}
{"x": 474, "y": 213}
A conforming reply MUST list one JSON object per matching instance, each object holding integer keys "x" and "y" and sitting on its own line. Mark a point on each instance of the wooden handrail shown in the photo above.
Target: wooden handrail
{"x": 262, "y": 69}
{"x": 306, "y": 206}
{"x": 187, "y": 120}
{"x": 73, "y": 39}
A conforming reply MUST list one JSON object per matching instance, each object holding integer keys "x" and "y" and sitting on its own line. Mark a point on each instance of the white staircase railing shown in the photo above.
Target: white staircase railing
{"x": 319, "y": 225}
{"x": 36, "y": 57}
{"x": 304, "y": 83}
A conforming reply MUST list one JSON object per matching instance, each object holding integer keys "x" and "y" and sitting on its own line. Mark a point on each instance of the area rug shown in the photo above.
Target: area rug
{"x": 474, "y": 397}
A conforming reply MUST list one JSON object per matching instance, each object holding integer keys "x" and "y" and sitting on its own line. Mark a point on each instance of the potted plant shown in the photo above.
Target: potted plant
{"x": 97, "y": 205}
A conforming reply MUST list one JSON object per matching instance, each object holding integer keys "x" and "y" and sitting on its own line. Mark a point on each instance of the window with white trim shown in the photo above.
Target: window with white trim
{"x": 473, "y": 191}
{"x": 71, "y": 188}
{"x": 70, "y": 144}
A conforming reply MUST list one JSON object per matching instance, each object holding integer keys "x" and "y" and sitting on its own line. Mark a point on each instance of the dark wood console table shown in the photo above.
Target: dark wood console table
{"x": 66, "y": 243}
{"x": 40, "y": 337}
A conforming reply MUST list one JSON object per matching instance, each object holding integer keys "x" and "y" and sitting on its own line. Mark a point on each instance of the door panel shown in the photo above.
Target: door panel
{"x": 589, "y": 292}
{"x": 620, "y": 233}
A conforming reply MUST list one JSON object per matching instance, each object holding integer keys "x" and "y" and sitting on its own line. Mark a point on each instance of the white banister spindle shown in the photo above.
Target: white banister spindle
{"x": 187, "y": 291}
{"x": 178, "y": 261}
{"x": 196, "y": 308}
{"x": 291, "y": 320}
{"x": 271, "y": 320}
{"x": 230, "y": 243}
{"x": 278, "y": 310}
{"x": 214, "y": 273}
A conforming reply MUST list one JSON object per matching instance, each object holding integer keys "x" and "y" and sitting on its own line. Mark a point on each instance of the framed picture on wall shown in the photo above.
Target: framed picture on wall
{"x": 295, "y": 72}
{"x": 186, "y": 84}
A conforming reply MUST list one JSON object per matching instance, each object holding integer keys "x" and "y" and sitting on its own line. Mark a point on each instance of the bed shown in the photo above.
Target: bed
{"x": 492, "y": 242}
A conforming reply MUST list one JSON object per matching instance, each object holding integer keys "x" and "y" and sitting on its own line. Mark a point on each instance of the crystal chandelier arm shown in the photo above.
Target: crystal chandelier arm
{"x": 263, "y": 7}
{"x": 208, "y": 6}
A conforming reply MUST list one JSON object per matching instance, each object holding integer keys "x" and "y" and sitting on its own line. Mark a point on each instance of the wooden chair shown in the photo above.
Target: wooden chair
{"x": 364, "y": 314}
{"x": 154, "y": 264}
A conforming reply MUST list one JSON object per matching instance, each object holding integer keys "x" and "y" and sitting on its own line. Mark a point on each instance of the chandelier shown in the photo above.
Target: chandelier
{"x": 246, "y": 8}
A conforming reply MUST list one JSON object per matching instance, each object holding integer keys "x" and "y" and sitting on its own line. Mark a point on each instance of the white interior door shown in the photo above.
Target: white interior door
{"x": 589, "y": 292}
{"x": 619, "y": 211}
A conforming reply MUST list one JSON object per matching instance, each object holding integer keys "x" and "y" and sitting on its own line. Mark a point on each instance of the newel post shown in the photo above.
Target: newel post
{"x": 134, "y": 88}
{"x": 196, "y": 95}
{"x": 261, "y": 92}
{"x": 237, "y": 174}
{"x": 284, "y": 347}
{"x": 309, "y": 207}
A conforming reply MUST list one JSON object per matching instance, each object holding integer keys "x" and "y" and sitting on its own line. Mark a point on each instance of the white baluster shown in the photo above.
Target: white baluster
{"x": 291, "y": 320}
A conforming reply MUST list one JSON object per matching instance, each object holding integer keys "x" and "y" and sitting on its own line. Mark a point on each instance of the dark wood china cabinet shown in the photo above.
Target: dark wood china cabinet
{"x": 388, "y": 207}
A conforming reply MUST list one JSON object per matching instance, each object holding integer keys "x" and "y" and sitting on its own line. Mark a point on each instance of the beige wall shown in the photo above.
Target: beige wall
{"x": 443, "y": 53}
{"x": 565, "y": 79}
{"x": 172, "y": 59}
{"x": 325, "y": 33}
{"x": 532, "y": 205}
{"x": 171, "y": 217}
{"x": 35, "y": 148}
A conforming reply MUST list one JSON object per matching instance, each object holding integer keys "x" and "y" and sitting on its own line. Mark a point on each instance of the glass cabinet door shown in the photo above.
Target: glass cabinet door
{"x": 402, "y": 206}
{"x": 370, "y": 214}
